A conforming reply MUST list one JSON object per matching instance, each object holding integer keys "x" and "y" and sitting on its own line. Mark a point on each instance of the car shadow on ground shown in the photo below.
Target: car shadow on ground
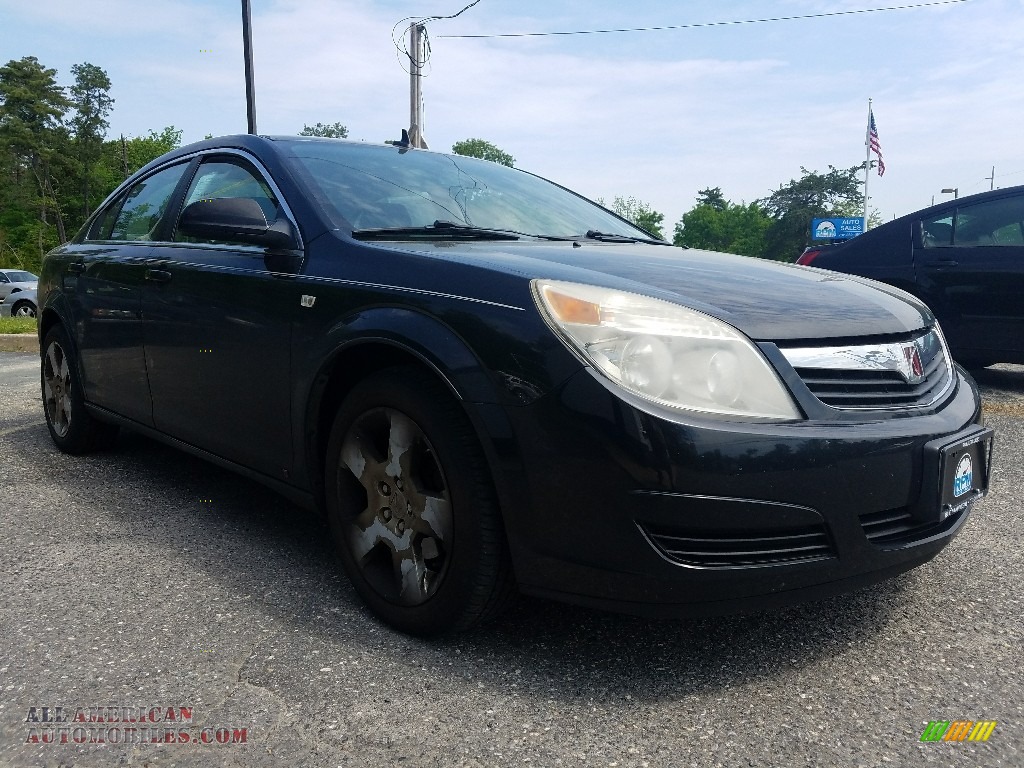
{"x": 1004, "y": 377}
{"x": 255, "y": 544}
{"x": 1002, "y": 388}
{"x": 573, "y": 650}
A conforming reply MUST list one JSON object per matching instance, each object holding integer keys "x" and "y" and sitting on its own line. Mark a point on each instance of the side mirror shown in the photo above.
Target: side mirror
{"x": 238, "y": 219}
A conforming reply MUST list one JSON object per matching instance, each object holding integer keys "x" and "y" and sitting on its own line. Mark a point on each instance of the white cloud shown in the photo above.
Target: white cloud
{"x": 654, "y": 115}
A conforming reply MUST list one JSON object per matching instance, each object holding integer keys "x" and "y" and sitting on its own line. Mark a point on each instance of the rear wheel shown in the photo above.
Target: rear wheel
{"x": 412, "y": 508}
{"x": 72, "y": 429}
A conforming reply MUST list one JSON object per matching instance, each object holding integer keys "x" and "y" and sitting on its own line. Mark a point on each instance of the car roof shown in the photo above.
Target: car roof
{"x": 251, "y": 142}
{"x": 931, "y": 210}
{"x": 958, "y": 202}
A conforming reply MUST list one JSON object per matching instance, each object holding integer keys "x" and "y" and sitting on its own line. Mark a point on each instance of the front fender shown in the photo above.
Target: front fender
{"x": 369, "y": 339}
{"x": 383, "y": 336}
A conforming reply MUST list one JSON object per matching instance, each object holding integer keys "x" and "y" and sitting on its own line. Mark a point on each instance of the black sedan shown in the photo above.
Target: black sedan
{"x": 964, "y": 258}
{"x": 488, "y": 383}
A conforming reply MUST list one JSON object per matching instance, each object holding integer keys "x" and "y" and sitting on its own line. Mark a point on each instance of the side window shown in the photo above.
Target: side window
{"x": 228, "y": 179}
{"x": 937, "y": 232}
{"x": 104, "y": 223}
{"x": 998, "y": 222}
{"x": 145, "y": 204}
{"x": 3, "y": 278}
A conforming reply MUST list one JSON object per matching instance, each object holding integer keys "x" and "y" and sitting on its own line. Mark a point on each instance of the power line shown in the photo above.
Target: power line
{"x": 710, "y": 23}
{"x": 399, "y": 40}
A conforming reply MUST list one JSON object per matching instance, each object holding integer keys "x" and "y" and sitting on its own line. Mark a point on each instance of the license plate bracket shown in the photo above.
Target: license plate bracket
{"x": 956, "y": 473}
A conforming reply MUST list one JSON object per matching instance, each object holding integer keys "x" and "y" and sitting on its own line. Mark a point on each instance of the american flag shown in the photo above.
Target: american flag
{"x": 873, "y": 143}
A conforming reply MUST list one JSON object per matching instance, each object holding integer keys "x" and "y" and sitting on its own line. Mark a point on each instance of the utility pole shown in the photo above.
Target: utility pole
{"x": 250, "y": 88}
{"x": 417, "y": 34}
{"x": 992, "y": 179}
{"x": 124, "y": 157}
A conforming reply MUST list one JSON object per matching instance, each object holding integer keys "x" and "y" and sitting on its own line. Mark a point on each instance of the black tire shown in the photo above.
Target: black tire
{"x": 412, "y": 508}
{"x": 23, "y": 309}
{"x": 72, "y": 428}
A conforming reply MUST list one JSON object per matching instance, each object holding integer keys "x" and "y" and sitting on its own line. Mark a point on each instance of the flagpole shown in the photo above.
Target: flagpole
{"x": 867, "y": 163}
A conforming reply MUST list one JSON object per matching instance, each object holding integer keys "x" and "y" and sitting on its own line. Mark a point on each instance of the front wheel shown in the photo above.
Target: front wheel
{"x": 24, "y": 309}
{"x": 412, "y": 507}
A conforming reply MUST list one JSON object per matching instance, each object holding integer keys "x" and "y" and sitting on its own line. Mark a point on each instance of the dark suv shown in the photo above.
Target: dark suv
{"x": 963, "y": 258}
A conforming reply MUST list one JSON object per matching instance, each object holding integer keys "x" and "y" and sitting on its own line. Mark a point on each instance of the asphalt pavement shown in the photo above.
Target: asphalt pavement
{"x": 151, "y": 596}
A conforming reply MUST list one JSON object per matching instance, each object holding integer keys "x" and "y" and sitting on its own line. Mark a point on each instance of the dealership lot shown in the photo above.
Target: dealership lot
{"x": 142, "y": 580}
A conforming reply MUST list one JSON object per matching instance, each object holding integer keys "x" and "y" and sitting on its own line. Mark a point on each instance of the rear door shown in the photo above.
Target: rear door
{"x": 972, "y": 258}
{"x": 218, "y": 332}
{"x": 103, "y": 284}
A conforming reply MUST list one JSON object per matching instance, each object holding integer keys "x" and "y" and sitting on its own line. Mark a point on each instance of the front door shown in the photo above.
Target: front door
{"x": 218, "y": 329}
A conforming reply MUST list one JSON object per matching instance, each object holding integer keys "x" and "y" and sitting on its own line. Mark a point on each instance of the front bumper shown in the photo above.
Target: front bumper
{"x": 647, "y": 512}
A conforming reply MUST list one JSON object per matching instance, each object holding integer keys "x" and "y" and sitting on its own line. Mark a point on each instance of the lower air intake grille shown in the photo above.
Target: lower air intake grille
{"x": 898, "y": 526}
{"x": 741, "y": 549}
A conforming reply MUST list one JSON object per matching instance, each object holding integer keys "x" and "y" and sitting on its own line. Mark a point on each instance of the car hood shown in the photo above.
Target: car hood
{"x": 767, "y": 300}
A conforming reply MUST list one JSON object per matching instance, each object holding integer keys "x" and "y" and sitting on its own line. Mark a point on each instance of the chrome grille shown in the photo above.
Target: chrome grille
{"x": 725, "y": 549}
{"x": 914, "y": 372}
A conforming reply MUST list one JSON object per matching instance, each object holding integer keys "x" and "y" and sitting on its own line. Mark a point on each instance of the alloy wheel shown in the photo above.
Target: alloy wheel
{"x": 57, "y": 388}
{"x": 400, "y": 532}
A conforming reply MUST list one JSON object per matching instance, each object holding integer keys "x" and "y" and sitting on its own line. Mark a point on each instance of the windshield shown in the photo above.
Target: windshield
{"x": 21, "y": 277}
{"x": 374, "y": 187}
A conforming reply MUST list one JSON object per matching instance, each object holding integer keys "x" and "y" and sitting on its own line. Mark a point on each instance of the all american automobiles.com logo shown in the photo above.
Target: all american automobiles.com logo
{"x": 125, "y": 725}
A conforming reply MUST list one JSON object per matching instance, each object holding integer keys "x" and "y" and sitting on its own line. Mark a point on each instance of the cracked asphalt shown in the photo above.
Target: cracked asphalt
{"x": 142, "y": 578}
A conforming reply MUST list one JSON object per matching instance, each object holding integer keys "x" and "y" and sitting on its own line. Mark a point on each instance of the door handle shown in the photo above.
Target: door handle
{"x": 942, "y": 264}
{"x": 76, "y": 267}
{"x": 158, "y": 275}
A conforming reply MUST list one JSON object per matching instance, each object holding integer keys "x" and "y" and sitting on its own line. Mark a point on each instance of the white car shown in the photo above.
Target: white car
{"x": 21, "y": 304}
{"x": 15, "y": 280}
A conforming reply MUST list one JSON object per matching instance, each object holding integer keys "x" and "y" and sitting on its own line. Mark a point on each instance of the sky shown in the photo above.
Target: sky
{"x": 656, "y": 115}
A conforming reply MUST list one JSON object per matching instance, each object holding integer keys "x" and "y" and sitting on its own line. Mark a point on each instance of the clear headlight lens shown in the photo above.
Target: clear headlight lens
{"x": 665, "y": 352}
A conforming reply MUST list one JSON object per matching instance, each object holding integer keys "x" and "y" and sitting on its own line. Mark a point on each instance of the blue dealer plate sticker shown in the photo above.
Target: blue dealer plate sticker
{"x": 964, "y": 474}
{"x": 963, "y": 478}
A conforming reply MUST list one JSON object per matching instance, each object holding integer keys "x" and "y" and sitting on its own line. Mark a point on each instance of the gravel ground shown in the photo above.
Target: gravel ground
{"x": 144, "y": 578}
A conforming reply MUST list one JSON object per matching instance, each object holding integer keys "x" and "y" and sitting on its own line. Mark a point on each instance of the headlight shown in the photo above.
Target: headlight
{"x": 665, "y": 352}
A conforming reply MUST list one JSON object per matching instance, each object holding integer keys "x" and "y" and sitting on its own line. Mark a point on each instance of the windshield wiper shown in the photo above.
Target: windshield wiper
{"x": 605, "y": 237}
{"x": 448, "y": 230}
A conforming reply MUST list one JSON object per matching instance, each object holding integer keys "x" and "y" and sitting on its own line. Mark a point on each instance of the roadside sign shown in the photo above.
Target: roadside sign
{"x": 836, "y": 229}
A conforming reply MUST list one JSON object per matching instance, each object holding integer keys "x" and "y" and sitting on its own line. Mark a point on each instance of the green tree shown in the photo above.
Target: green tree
{"x": 638, "y": 212}
{"x": 32, "y": 138}
{"x": 122, "y": 157}
{"x": 54, "y": 162}
{"x": 813, "y": 195}
{"x": 91, "y": 98}
{"x": 716, "y": 224}
{"x": 712, "y": 196}
{"x": 484, "y": 150}
{"x": 332, "y": 131}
